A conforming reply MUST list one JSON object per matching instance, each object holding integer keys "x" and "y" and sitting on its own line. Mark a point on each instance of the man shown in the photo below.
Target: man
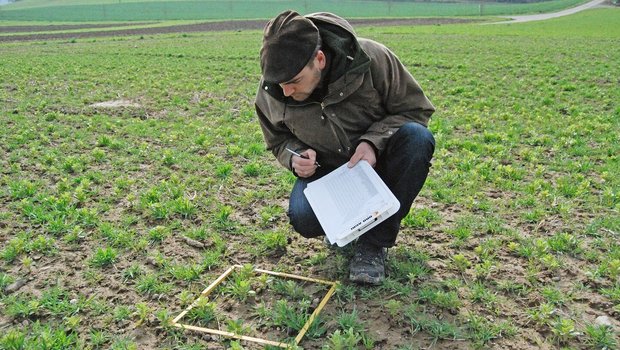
{"x": 335, "y": 98}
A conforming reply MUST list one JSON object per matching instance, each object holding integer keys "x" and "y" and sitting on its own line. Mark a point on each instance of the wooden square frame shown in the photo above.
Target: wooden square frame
{"x": 223, "y": 276}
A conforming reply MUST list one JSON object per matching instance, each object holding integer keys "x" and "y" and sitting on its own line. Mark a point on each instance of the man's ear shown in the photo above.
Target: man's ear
{"x": 321, "y": 60}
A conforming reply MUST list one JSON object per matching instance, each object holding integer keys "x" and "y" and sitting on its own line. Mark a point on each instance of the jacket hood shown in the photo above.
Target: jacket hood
{"x": 339, "y": 36}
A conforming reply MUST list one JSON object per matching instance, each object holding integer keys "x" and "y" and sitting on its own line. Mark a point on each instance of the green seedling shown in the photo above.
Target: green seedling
{"x": 290, "y": 316}
{"x": 158, "y": 234}
{"x": 437, "y": 330}
{"x": 564, "y": 243}
{"x": 394, "y": 308}
{"x": 350, "y": 320}
{"x": 252, "y": 170}
{"x": 22, "y": 189}
{"x": 223, "y": 171}
{"x": 393, "y": 287}
{"x": 437, "y": 297}
{"x": 460, "y": 262}
{"x": 142, "y": 312}
{"x": 563, "y": 330}
{"x": 481, "y": 294}
{"x": 222, "y": 217}
{"x": 184, "y": 207}
{"x": 481, "y": 331}
{"x": 600, "y": 337}
{"x": 123, "y": 343}
{"x": 165, "y": 320}
{"x": 117, "y": 238}
{"x": 346, "y": 293}
{"x": 485, "y": 269}
{"x": 239, "y": 285}
{"x": 5, "y": 280}
{"x": 289, "y": 289}
{"x": 185, "y": 298}
{"x": 347, "y": 339}
{"x": 270, "y": 242}
{"x": 121, "y": 313}
{"x": 19, "y": 307}
{"x": 543, "y": 314}
{"x": 237, "y": 327}
{"x": 316, "y": 259}
{"x": 151, "y": 284}
{"x": 204, "y": 312}
{"x": 271, "y": 213}
{"x": 186, "y": 272}
{"x": 98, "y": 338}
{"x": 554, "y": 296}
{"x": 104, "y": 257}
{"x": 423, "y": 218}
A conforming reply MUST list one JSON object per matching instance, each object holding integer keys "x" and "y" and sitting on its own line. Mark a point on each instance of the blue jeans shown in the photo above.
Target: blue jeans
{"x": 403, "y": 166}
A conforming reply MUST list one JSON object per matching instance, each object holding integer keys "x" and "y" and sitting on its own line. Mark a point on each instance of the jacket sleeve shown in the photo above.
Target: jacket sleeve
{"x": 402, "y": 97}
{"x": 277, "y": 138}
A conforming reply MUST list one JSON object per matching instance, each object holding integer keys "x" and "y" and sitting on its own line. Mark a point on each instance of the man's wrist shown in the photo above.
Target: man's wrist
{"x": 372, "y": 145}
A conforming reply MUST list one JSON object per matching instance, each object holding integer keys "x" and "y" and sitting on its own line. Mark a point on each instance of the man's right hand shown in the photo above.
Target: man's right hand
{"x": 305, "y": 167}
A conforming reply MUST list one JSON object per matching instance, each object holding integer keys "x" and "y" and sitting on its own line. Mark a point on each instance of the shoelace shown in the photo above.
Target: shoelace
{"x": 368, "y": 257}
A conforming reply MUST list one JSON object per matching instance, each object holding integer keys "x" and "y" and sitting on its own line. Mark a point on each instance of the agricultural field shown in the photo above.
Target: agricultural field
{"x": 133, "y": 173}
{"x": 148, "y": 10}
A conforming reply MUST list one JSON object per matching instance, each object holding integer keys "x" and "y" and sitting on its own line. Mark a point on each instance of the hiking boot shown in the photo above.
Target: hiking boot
{"x": 368, "y": 264}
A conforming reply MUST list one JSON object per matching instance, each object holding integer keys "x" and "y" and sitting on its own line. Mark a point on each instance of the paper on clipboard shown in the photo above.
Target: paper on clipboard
{"x": 350, "y": 201}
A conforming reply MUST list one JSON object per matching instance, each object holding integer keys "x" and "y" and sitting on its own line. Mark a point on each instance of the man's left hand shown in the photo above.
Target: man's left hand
{"x": 364, "y": 151}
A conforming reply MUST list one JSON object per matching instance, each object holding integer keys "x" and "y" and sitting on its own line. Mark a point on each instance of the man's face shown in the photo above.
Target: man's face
{"x": 303, "y": 84}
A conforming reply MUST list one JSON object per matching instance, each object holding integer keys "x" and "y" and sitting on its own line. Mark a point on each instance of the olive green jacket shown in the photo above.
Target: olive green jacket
{"x": 368, "y": 99}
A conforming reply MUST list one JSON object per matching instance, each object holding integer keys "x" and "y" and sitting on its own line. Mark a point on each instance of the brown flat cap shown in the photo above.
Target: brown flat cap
{"x": 289, "y": 40}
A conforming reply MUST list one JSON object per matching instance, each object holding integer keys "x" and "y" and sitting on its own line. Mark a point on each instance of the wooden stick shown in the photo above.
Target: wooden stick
{"x": 316, "y": 312}
{"x": 232, "y": 335}
{"x": 282, "y": 274}
{"x": 205, "y": 292}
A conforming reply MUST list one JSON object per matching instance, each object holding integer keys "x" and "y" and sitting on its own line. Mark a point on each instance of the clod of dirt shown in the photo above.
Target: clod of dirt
{"x": 193, "y": 242}
{"x": 15, "y": 286}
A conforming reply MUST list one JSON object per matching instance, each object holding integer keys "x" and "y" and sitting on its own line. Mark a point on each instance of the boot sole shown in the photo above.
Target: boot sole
{"x": 367, "y": 279}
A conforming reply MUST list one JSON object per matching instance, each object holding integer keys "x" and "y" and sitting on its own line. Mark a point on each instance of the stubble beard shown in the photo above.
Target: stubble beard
{"x": 302, "y": 96}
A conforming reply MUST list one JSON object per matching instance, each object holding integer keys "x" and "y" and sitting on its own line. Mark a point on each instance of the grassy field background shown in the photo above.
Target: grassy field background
{"x": 115, "y": 217}
{"x": 76, "y": 10}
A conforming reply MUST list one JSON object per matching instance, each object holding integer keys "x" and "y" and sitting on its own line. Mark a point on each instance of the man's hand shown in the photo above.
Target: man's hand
{"x": 305, "y": 167}
{"x": 363, "y": 151}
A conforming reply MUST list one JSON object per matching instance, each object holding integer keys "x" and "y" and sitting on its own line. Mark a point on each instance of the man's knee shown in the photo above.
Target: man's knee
{"x": 304, "y": 223}
{"x": 414, "y": 138}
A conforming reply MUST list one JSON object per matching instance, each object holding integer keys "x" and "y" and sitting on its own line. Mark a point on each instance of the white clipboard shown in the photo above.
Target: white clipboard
{"x": 350, "y": 201}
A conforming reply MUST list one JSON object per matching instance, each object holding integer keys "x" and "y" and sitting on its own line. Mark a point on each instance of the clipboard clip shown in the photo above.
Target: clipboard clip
{"x": 368, "y": 221}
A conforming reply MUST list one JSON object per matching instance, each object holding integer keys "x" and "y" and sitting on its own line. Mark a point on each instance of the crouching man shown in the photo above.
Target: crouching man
{"x": 334, "y": 98}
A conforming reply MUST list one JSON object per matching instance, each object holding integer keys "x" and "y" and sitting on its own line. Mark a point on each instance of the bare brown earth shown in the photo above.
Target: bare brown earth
{"x": 187, "y": 28}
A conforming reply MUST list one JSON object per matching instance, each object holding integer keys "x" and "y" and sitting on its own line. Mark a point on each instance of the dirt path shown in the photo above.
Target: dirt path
{"x": 544, "y": 16}
{"x": 189, "y": 28}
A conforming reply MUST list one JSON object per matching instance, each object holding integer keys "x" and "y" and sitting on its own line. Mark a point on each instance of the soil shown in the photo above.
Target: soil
{"x": 187, "y": 28}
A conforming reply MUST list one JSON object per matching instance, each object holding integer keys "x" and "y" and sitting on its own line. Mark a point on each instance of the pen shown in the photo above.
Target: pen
{"x": 302, "y": 156}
